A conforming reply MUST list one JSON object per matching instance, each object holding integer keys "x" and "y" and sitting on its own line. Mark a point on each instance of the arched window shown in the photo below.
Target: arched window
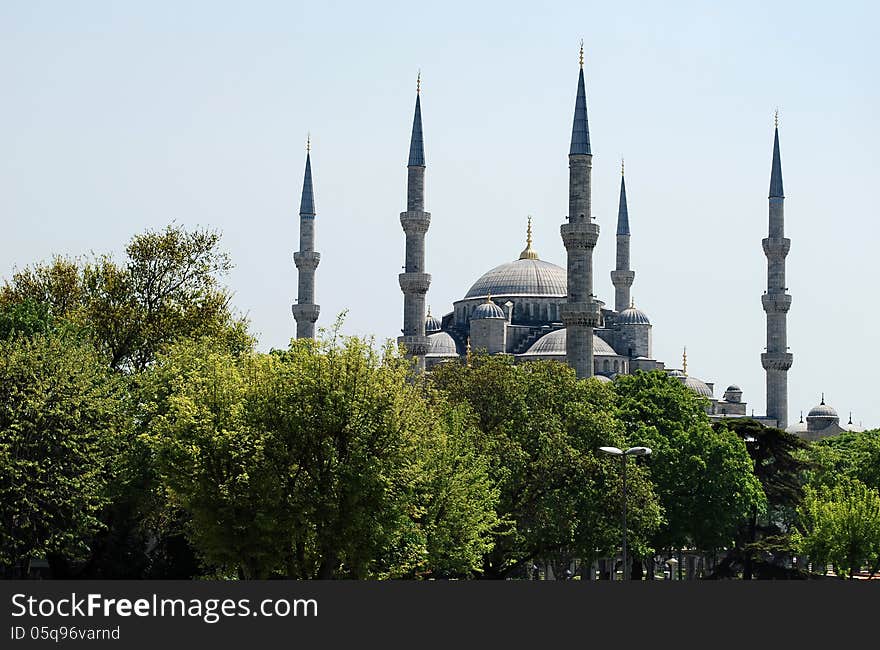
{"x": 616, "y": 366}
{"x": 606, "y": 365}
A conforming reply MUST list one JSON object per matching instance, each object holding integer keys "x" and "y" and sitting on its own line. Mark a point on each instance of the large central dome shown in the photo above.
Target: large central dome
{"x": 523, "y": 277}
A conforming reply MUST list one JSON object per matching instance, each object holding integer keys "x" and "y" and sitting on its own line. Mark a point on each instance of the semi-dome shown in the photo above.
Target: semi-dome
{"x": 696, "y": 385}
{"x": 633, "y": 316}
{"x": 487, "y": 310}
{"x": 522, "y": 277}
{"x": 603, "y": 379}
{"x": 441, "y": 345}
{"x": 553, "y": 344}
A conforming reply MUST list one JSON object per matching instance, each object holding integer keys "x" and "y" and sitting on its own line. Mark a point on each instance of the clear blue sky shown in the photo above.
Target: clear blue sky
{"x": 117, "y": 117}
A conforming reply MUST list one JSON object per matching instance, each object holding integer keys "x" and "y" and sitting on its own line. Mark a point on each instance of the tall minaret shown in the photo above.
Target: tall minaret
{"x": 305, "y": 311}
{"x": 622, "y": 277}
{"x": 580, "y": 313}
{"x": 777, "y": 359}
{"x": 415, "y": 221}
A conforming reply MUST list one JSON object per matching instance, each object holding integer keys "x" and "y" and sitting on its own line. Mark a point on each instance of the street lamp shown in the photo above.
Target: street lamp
{"x": 632, "y": 451}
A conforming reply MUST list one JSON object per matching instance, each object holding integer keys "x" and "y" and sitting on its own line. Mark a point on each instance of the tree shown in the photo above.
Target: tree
{"x": 60, "y": 427}
{"x": 541, "y": 430}
{"x": 703, "y": 477}
{"x": 778, "y": 463}
{"x": 321, "y": 461}
{"x": 168, "y": 289}
{"x": 841, "y": 525}
{"x": 855, "y": 454}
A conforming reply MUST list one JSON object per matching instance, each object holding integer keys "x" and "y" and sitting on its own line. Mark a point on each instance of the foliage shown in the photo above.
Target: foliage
{"x": 840, "y": 525}
{"x": 541, "y": 430}
{"x": 850, "y": 454}
{"x": 166, "y": 290}
{"x": 703, "y": 477}
{"x": 60, "y": 426}
{"x": 320, "y": 461}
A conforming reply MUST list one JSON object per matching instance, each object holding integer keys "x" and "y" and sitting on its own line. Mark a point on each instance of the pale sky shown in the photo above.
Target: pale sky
{"x": 117, "y": 117}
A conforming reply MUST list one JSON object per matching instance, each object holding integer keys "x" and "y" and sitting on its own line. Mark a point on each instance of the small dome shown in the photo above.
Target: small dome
{"x": 441, "y": 345}
{"x": 603, "y": 379}
{"x": 676, "y": 373}
{"x": 733, "y": 394}
{"x": 696, "y": 385}
{"x": 432, "y": 324}
{"x": 797, "y": 428}
{"x": 632, "y": 316}
{"x": 822, "y": 411}
{"x": 733, "y": 388}
{"x": 487, "y": 310}
{"x": 553, "y": 344}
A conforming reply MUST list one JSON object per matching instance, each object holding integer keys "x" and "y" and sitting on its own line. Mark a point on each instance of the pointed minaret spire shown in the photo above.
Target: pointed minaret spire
{"x": 622, "y": 276}
{"x": 580, "y": 129}
{"x": 776, "y": 167}
{"x": 417, "y": 143}
{"x": 581, "y": 311}
{"x": 414, "y": 282}
{"x": 776, "y": 301}
{"x": 305, "y": 311}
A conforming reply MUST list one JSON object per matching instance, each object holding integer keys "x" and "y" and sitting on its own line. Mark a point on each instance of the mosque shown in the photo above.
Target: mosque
{"x": 534, "y": 310}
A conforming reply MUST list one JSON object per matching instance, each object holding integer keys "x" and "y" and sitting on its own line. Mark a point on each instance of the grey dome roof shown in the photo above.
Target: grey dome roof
{"x": 526, "y": 277}
{"x": 633, "y": 316}
{"x": 432, "y": 324}
{"x": 441, "y": 345}
{"x": 733, "y": 388}
{"x": 553, "y": 343}
{"x": 487, "y": 310}
{"x": 797, "y": 427}
{"x": 696, "y": 385}
{"x": 603, "y": 379}
{"x": 822, "y": 411}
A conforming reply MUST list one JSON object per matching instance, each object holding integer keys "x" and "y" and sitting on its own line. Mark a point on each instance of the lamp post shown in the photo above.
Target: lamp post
{"x": 632, "y": 451}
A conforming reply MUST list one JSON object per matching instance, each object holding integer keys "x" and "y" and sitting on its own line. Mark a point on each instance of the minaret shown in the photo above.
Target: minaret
{"x": 414, "y": 282}
{"x": 580, "y": 313}
{"x": 622, "y": 277}
{"x": 305, "y": 311}
{"x": 777, "y": 359}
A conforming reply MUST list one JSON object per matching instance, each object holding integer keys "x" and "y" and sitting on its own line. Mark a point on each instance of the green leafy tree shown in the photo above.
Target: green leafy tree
{"x": 60, "y": 428}
{"x": 853, "y": 454}
{"x": 541, "y": 430}
{"x": 703, "y": 477}
{"x": 778, "y": 463}
{"x": 322, "y": 461}
{"x": 840, "y": 525}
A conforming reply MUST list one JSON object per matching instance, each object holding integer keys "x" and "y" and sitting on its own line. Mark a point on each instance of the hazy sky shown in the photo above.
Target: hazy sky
{"x": 116, "y": 117}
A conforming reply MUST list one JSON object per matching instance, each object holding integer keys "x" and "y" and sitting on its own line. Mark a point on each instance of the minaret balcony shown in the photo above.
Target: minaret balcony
{"x": 415, "y": 223}
{"x": 415, "y": 345}
{"x": 622, "y": 278}
{"x": 414, "y": 282}
{"x": 587, "y": 314}
{"x": 579, "y": 235}
{"x": 776, "y": 246}
{"x": 776, "y": 303}
{"x": 306, "y": 312}
{"x": 777, "y": 360}
{"x": 306, "y": 260}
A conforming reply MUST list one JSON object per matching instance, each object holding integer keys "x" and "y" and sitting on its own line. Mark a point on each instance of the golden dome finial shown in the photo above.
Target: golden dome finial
{"x": 684, "y": 361}
{"x": 419, "y": 82}
{"x": 528, "y": 253}
{"x": 581, "y": 56}
{"x": 632, "y": 302}
{"x": 429, "y": 311}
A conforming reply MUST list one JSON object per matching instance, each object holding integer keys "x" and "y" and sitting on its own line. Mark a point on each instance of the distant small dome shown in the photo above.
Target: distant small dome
{"x": 441, "y": 345}
{"x": 603, "y": 379}
{"x": 487, "y": 310}
{"x": 553, "y": 344}
{"x": 696, "y": 385}
{"x": 822, "y": 411}
{"x": 733, "y": 393}
{"x": 676, "y": 373}
{"x": 797, "y": 427}
{"x": 432, "y": 324}
{"x": 733, "y": 388}
{"x": 633, "y": 316}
